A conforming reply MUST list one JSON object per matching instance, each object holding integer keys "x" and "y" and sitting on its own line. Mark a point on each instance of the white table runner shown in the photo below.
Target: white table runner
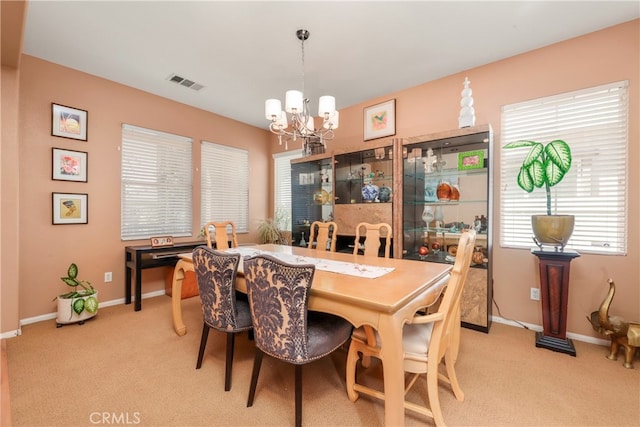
{"x": 340, "y": 267}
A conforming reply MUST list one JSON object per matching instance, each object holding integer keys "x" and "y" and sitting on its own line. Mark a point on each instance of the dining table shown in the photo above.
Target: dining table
{"x": 384, "y": 293}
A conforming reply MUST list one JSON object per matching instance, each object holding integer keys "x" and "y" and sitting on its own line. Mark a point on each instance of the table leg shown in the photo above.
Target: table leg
{"x": 176, "y": 295}
{"x": 390, "y": 331}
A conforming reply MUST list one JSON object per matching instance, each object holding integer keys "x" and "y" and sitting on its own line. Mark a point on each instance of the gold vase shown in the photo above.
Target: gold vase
{"x": 553, "y": 230}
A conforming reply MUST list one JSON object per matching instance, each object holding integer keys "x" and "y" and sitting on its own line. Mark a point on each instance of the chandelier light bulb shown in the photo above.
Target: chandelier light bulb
{"x": 326, "y": 106}
{"x": 293, "y": 102}
{"x": 272, "y": 108}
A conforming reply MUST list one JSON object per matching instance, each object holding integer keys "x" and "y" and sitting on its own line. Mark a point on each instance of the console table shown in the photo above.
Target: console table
{"x": 138, "y": 258}
{"x": 554, "y": 287}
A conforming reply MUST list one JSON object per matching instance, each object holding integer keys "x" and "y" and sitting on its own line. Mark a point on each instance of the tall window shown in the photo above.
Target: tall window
{"x": 282, "y": 185}
{"x": 594, "y": 123}
{"x": 225, "y": 185}
{"x": 156, "y": 184}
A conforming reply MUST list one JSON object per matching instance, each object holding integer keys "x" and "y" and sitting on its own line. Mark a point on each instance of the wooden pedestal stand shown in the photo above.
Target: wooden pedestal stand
{"x": 554, "y": 290}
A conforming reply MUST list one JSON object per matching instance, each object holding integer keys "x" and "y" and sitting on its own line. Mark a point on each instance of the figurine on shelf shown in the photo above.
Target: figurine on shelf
{"x": 427, "y": 215}
{"x": 429, "y": 161}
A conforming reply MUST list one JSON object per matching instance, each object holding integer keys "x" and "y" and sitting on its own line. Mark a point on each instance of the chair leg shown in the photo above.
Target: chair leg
{"x": 257, "y": 362}
{"x": 299, "y": 395}
{"x": 432, "y": 393}
{"x": 229, "y": 362}
{"x": 203, "y": 344}
{"x": 352, "y": 361}
{"x": 452, "y": 377}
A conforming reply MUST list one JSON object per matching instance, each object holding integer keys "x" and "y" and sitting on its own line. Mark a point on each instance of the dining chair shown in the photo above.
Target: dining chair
{"x": 221, "y": 310}
{"x": 322, "y": 235}
{"x": 220, "y": 236}
{"x": 427, "y": 340}
{"x": 284, "y": 328}
{"x": 372, "y": 235}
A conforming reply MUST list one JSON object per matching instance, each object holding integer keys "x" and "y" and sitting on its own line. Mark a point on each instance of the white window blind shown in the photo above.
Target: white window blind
{"x": 282, "y": 185}
{"x": 156, "y": 184}
{"x": 225, "y": 185}
{"x": 594, "y": 122}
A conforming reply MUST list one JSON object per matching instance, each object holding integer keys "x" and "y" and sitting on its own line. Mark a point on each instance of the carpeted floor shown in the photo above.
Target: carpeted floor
{"x": 130, "y": 368}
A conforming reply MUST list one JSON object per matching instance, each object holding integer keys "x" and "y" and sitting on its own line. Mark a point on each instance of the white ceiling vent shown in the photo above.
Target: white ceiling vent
{"x": 185, "y": 82}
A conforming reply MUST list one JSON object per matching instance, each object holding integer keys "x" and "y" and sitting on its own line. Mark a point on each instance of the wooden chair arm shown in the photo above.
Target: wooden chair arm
{"x": 429, "y": 318}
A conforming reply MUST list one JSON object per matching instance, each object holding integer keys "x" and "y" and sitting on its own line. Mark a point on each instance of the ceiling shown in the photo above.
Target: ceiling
{"x": 246, "y": 52}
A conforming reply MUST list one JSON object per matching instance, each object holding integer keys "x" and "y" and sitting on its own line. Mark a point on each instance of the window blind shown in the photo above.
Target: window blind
{"x": 594, "y": 122}
{"x": 282, "y": 185}
{"x": 224, "y": 185}
{"x": 156, "y": 184}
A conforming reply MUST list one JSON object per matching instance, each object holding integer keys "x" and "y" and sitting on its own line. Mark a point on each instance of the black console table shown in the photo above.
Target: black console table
{"x": 138, "y": 258}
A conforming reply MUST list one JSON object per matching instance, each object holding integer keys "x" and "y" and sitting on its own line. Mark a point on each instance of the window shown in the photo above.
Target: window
{"x": 224, "y": 185}
{"x": 156, "y": 184}
{"x": 282, "y": 185}
{"x": 594, "y": 123}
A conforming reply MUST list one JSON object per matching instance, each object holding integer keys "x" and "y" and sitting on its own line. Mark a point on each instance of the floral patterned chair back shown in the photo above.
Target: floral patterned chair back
{"x": 283, "y": 327}
{"x": 216, "y": 276}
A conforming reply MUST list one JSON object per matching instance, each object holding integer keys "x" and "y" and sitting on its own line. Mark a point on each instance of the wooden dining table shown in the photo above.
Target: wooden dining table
{"x": 385, "y": 303}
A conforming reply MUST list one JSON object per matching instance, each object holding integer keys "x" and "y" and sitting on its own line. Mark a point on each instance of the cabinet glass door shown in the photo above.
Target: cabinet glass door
{"x": 446, "y": 190}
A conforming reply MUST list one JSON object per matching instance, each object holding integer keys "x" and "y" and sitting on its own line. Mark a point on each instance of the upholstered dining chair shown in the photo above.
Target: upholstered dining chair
{"x": 322, "y": 236}
{"x": 216, "y": 275}
{"x": 284, "y": 328}
{"x": 427, "y": 341}
{"x": 372, "y": 234}
{"x": 220, "y": 235}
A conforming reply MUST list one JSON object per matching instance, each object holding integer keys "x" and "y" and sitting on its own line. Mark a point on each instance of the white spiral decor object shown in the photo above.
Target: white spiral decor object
{"x": 467, "y": 116}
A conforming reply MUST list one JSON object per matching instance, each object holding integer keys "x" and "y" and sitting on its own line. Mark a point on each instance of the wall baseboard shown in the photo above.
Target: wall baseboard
{"x": 49, "y": 316}
{"x": 538, "y": 328}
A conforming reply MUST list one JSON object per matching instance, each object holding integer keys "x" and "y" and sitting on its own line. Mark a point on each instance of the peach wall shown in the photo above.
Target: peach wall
{"x": 602, "y": 57}
{"x": 96, "y": 247}
{"x": 9, "y": 221}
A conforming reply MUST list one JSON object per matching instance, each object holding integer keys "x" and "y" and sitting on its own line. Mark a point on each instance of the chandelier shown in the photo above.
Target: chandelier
{"x": 296, "y": 122}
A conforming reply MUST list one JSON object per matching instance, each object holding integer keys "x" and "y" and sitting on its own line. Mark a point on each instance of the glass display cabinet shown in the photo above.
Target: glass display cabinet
{"x": 311, "y": 195}
{"x": 363, "y": 189}
{"x": 446, "y": 190}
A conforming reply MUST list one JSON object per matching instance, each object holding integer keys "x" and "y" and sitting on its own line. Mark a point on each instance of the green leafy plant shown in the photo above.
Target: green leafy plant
{"x": 544, "y": 165}
{"x": 79, "y": 303}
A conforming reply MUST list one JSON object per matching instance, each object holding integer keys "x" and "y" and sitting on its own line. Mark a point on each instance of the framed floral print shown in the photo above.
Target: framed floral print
{"x": 69, "y": 165}
{"x": 380, "y": 120}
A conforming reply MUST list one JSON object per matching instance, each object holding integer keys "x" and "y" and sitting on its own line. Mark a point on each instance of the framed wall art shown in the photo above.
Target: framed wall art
{"x": 70, "y": 208}
{"x": 471, "y": 160}
{"x": 69, "y": 122}
{"x": 380, "y": 120}
{"x": 69, "y": 165}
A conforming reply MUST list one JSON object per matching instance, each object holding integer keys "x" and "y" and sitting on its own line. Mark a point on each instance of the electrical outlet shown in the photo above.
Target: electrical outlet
{"x": 108, "y": 277}
{"x": 535, "y": 294}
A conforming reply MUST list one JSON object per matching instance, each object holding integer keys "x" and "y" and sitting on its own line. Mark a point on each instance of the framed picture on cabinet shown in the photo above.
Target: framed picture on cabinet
{"x": 69, "y": 165}
{"x": 68, "y": 122}
{"x": 471, "y": 160}
{"x": 380, "y": 120}
{"x": 70, "y": 208}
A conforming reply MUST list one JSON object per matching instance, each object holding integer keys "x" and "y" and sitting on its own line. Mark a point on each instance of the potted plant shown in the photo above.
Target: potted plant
{"x": 546, "y": 166}
{"x": 76, "y": 305}
{"x": 271, "y": 229}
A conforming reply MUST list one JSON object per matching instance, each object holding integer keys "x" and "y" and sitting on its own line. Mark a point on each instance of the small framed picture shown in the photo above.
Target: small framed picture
{"x": 161, "y": 241}
{"x": 70, "y": 208}
{"x": 69, "y": 165}
{"x": 69, "y": 122}
{"x": 380, "y": 120}
{"x": 471, "y": 160}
